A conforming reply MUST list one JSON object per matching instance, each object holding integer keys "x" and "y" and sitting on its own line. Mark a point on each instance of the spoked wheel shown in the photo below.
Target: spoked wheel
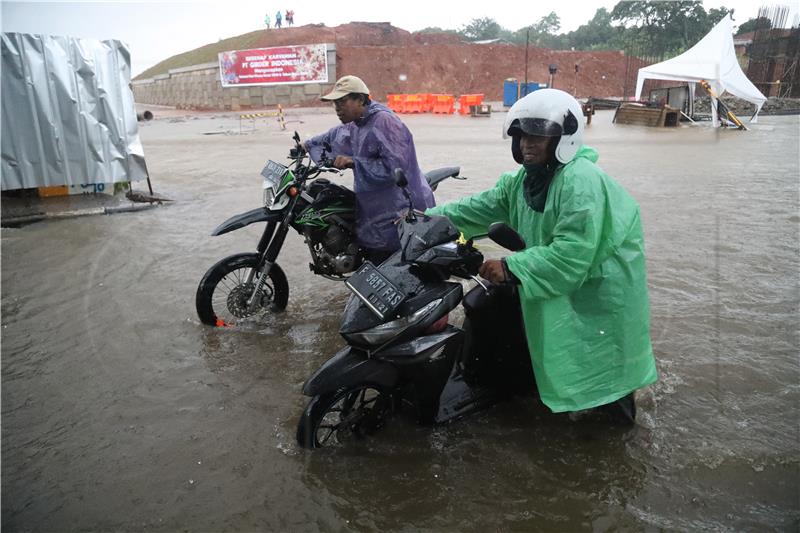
{"x": 350, "y": 414}
{"x": 223, "y": 293}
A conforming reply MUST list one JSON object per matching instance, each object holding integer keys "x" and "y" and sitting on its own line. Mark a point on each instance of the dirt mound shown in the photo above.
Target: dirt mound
{"x": 392, "y": 60}
{"x": 473, "y": 68}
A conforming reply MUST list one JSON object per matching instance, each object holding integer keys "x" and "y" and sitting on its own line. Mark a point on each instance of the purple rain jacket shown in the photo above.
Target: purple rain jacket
{"x": 378, "y": 142}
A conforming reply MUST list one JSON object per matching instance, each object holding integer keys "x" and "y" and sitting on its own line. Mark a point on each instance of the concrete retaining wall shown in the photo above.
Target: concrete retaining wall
{"x": 199, "y": 87}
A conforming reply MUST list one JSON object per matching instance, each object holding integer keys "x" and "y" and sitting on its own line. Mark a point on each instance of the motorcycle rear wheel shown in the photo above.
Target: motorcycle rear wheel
{"x": 222, "y": 294}
{"x": 349, "y": 414}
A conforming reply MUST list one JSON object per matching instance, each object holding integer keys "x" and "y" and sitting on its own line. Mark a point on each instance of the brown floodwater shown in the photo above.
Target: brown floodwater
{"x": 120, "y": 411}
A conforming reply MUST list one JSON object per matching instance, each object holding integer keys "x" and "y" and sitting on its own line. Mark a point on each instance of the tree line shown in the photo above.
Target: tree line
{"x": 654, "y": 27}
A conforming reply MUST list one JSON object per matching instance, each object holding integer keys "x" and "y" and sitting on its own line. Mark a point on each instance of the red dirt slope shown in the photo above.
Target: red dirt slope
{"x": 441, "y": 63}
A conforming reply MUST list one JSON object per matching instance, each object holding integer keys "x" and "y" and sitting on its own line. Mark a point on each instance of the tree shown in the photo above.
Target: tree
{"x": 598, "y": 33}
{"x": 548, "y": 24}
{"x": 436, "y": 29}
{"x": 758, "y": 23}
{"x": 665, "y": 28}
{"x": 481, "y": 29}
{"x": 717, "y": 14}
{"x": 540, "y": 33}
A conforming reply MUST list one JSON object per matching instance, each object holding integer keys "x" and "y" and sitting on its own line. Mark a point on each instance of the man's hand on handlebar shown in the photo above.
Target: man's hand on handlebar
{"x": 496, "y": 271}
{"x": 492, "y": 270}
{"x": 342, "y": 162}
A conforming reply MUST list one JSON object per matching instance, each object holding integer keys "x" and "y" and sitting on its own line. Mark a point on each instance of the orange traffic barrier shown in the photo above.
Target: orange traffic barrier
{"x": 426, "y": 103}
{"x": 443, "y": 103}
{"x": 395, "y": 102}
{"x": 429, "y": 101}
{"x": 415, "y": 103}
{"x": 467, "y": 100}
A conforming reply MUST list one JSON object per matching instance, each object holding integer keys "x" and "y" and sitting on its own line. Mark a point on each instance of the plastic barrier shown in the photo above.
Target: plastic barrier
{"x": 443, "y": 103}
{"x": 429, "y": 101}
{"x": 415, "y": 103}
{"x": 422, "y": 103}
{"x": 467, "y": 100}
{"x": 395, "y": 102}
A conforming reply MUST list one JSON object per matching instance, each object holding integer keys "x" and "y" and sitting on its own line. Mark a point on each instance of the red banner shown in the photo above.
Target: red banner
{"x": 268, "y": 66}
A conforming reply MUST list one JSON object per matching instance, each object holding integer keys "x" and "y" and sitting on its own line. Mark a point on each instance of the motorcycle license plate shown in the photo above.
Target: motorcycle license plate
{"x": 273, "y": 173}
{"x": 377, "y": 292}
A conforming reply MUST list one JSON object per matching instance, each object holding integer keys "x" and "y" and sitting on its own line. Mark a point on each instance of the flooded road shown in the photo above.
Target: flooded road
{"x": 120, "y": 411}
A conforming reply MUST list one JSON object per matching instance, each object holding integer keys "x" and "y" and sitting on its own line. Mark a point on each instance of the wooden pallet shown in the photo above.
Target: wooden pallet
{"x": 658, "y": 117}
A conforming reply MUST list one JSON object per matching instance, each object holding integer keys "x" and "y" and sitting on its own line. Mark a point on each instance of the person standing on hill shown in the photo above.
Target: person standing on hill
{"x": 373, "y": 142}
{"x": 278, "y": 19}
{"x": 266, "y": 21}
{"x": 290, "y": 17}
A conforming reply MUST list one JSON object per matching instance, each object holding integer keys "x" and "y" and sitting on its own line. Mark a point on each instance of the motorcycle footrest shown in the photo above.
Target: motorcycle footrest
{"x": 459, "y": 398}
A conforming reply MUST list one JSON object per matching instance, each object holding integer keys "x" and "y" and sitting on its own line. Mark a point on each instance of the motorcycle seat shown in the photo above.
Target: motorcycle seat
{"x": 436, "y": 175}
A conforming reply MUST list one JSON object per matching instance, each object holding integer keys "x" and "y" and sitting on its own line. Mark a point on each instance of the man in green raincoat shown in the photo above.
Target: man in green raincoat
{"x": 582, "y": 278}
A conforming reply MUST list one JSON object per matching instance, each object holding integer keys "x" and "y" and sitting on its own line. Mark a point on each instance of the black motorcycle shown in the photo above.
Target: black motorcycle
{"x": 402, "y": 354}
{"x": 247, "y": 284}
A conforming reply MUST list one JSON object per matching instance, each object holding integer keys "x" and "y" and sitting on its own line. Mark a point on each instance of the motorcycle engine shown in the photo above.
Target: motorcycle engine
{"x": 335, "y": 240}
{"x": 336, "y": 251}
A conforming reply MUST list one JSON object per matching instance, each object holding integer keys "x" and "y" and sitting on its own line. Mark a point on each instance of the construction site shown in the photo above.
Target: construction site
{"x": 395, "y": 61}
{"x": 124, "y": 411}
{"x": 772, "y": 55}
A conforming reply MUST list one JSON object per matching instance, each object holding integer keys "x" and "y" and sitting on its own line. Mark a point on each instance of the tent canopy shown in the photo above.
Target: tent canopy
{"x": 712, "y": 59}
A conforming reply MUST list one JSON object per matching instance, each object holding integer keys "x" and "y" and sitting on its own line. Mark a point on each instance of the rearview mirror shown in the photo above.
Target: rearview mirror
{"x": 505, "y": 236}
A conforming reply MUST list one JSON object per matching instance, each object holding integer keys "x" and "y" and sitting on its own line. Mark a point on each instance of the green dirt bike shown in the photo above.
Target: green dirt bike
{"x": 248, "y": 284}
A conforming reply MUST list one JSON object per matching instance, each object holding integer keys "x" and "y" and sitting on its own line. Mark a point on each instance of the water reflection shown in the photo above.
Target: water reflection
{"x": 544, "y": 472}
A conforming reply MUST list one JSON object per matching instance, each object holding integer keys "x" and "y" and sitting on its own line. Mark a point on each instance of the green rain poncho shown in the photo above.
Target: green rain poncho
{"x": 584, "y": 284}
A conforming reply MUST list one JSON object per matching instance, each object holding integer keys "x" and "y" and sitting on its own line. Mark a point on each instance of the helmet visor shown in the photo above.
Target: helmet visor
{"x": 535, "y": 126}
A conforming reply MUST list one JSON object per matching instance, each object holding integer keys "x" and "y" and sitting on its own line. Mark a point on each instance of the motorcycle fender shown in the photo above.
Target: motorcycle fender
{"x": 349, "y": 367}
{"x": 245, "y": 219}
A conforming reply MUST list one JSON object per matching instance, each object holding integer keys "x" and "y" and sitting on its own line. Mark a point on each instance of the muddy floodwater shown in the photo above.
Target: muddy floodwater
{"x": 122, "y": 412}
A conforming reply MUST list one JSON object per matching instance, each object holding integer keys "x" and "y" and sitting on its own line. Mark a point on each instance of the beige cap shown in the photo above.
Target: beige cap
{"x": 346, "y": 85}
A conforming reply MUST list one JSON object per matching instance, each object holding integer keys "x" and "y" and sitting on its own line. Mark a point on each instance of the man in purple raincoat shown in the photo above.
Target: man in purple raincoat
{"x": 373, "y": 142}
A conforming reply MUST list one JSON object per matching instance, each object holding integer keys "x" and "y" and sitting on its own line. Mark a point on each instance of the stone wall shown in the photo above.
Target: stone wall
{"x": 199, "y": 87}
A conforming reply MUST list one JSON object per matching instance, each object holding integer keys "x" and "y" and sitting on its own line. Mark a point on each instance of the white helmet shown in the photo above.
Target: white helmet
{"x": 549, "y": 113}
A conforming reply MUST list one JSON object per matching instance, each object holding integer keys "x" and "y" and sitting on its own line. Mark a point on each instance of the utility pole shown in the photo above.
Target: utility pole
{"x": 527, "y": 39}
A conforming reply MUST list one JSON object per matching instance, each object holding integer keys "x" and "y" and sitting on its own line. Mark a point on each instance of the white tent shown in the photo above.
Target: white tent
{"x": 712, "y": 59}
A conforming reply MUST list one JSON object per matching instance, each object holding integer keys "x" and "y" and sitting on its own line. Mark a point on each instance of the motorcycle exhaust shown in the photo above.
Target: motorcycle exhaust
{"x": 142, "y": 117}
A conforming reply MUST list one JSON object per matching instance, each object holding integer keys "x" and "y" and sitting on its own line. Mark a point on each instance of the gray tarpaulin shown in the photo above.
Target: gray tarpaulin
{"x": 68, "y": 116}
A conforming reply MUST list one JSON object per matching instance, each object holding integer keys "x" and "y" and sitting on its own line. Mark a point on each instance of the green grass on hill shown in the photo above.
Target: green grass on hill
{"x": 204, "y": 54}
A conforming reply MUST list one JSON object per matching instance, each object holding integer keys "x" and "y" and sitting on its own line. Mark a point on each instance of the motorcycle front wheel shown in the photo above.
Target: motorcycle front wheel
{"x": 347, "y": 415}
{"x": 223, "y": 293}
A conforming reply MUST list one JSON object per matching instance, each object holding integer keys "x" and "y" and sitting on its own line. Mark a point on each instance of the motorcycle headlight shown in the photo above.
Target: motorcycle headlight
{"x": 383, "y": 332}
{"x": 269, "y": 197}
